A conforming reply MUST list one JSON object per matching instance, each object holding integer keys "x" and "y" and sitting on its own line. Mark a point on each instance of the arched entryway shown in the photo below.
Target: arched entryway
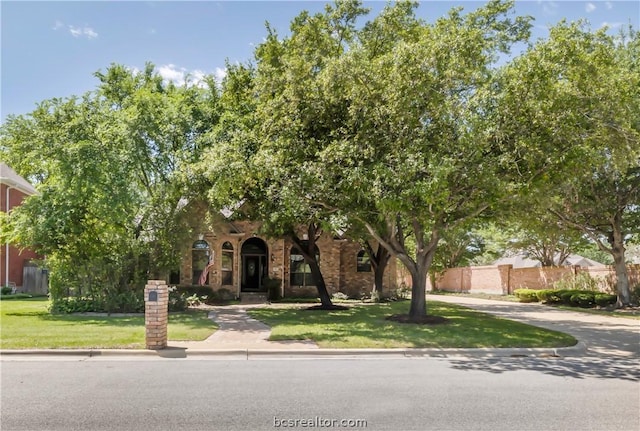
{"x": 254, "y": 265}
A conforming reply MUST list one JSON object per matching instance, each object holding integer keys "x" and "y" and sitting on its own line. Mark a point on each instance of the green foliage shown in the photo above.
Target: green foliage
{"x": 605, "y": 299}
{"x": 584, "y": 299}
{"x": 6, "y": 290}
{"x": 111, "y": 170}
{"x": 526, "y": 295}
{"x": 579, "y": 281}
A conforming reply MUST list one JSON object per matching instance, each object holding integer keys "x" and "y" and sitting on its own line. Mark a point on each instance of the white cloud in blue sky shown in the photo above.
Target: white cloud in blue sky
{"x": 548, "y": 7}
{"x": 87, "y": 32}
{"x": 609, "y": 5}
{"x": 181, "y": 75}
{"x": 74, "y": 31}
{"x": 590, "y": 7}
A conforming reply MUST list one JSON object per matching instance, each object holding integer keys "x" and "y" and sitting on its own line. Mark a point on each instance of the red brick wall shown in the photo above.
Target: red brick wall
{"x": 17, "y": 258}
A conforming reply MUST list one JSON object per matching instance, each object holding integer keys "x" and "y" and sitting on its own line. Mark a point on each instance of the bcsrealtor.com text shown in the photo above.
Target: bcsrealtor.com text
{"x": 318, "y": 422}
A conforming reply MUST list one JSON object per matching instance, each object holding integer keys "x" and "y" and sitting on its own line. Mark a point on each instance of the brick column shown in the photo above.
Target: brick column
{"x": 505, "y": 278}
{"x": 156, "y": 306}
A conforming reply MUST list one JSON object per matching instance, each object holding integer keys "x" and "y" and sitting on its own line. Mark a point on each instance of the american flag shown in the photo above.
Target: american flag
{"x": 203, "y": 277}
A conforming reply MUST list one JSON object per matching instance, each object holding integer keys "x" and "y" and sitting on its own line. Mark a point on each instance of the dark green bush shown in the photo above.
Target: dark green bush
{"x": 584, "y": 299}
{"x": 605, "y": 299}
{"x": 6, "y": 290}
{"x": 566, "y": 294}
{"x": 526, "y": 295}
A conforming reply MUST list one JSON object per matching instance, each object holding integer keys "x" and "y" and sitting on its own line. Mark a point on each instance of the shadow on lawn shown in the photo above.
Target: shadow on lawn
{"x": 578, "y": 368}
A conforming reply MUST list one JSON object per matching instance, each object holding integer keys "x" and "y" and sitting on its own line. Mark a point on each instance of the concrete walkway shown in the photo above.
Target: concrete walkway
{"x": 602, "y": 335}
{"x": 237, "y": 330}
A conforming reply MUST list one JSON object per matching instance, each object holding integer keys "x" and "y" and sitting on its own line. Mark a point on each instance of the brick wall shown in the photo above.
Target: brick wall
{"x": 505, "y": 279}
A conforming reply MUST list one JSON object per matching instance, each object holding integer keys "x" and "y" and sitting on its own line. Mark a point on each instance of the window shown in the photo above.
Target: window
{"x": 363, "y": 262}
{"x": 300, "y": 271}
{"x": 227, "y": 264}
{"x": 200, "y": 259}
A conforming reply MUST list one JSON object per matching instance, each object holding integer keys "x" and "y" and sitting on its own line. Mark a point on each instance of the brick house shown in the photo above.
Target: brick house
{"x": 236, "y": 258}
{"x": 13, "y": 190}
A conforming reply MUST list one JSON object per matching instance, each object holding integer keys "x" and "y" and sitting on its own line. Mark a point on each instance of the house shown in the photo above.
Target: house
{"x": 13, "y": 261}
{"x": 520, "y": 260}
{"x": 234, "y": 259}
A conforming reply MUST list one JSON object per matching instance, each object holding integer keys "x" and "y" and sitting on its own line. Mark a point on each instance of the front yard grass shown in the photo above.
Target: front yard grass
{"x": 364, "y": 326}
{"x": 27, "y": 324}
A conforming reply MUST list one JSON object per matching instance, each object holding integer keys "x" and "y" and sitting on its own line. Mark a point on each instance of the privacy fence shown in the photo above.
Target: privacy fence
{"x": 504, "y": 279}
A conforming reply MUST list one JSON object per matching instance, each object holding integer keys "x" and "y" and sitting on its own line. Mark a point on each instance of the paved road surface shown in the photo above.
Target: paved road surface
{"x": 198, "y": 393}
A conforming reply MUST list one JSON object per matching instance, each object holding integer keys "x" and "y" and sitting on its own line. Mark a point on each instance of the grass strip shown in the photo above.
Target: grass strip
{"x": 27, "y": 324}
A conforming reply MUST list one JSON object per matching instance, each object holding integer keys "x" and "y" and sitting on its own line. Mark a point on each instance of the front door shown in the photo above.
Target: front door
{"x": 252, "y": 273}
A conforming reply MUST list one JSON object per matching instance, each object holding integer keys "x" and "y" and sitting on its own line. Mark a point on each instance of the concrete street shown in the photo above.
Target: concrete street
{"x": 237, "y": 380}
{"x": 203, "y": 393}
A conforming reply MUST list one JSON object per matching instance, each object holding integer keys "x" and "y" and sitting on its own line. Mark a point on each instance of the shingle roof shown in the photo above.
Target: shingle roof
{"x": 9, "y": 177}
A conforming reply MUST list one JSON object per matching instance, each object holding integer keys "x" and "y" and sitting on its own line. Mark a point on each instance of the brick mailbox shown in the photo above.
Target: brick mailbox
{"x": 156, "y": 307}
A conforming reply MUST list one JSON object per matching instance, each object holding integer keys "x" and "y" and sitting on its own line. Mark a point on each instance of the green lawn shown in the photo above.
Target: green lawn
{"x": 26, "y": 324}
{"x": 364, "y": 326}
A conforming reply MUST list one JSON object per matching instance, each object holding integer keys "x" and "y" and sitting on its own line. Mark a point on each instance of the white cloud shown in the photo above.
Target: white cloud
{"x": 548, "y": 7}
{"x": 170, "y": 73}
{"x": 590, "y": 7}
{"x": 609, "y": 5}
{"x": 611, "y": 25}
{"x": 220, "y": 74}
{"x": 87, "y": 32}
{"x": 58, "y": 25}
{"x": 181, "y": 76}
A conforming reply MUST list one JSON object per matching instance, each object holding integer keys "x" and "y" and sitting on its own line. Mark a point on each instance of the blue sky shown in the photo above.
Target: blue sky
{"x": 51, "y": 49}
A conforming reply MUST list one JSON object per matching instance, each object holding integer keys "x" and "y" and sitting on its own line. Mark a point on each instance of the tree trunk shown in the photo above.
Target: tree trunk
{"x": 380, "y": 261}
{"x": 323, "y": 293}
{"x": 622, "y": 280}
{"x": 418, "y": 308}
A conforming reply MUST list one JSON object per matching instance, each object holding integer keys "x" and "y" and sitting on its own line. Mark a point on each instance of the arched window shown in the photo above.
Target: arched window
{"x": 227, "y": 264}
{"x": 300, "y": 271}
{"x": 200, "y": 259}
{"x": 363, "y": 262}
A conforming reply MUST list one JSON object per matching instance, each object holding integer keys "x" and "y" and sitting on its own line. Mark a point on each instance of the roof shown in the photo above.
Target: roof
{"x": 522, "y": 261}
{"x": 9, "y": 177}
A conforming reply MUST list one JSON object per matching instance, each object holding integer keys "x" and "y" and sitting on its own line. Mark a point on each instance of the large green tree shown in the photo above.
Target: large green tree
{"x": 385, "y": 123}
{"x": 579, "y": 90}
{"x": 109, "y": 168}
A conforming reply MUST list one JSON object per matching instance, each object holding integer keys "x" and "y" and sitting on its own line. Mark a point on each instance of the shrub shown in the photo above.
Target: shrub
{"x": 6, "y": 290}
{"x": 566, "y": 294}
{"x": 339, "y": 296}
{"x": 177, "y": 299}
{"x": 605, "y": 299}
{"x": 526, "y": 295}
{"x": 583, "y": 299}
{"x": 580, "y": 281}
{"x": 546, "y": 295}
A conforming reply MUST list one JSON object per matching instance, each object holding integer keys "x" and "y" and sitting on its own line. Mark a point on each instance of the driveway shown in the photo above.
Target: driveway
{"x": 603, "y": 335}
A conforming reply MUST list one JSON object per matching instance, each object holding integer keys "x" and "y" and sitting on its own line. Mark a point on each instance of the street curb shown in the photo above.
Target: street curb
{"x": 174, "y": 352}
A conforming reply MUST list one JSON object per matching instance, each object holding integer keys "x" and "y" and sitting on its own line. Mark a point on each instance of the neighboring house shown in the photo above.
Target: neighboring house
{"x": 234, "y": 259}
{"x": 13, "y": 190}
{"x": 522, "y": 261}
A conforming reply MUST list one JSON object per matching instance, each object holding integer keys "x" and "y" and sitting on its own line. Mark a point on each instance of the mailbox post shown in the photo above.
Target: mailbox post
{"x": 156, "y": 310}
